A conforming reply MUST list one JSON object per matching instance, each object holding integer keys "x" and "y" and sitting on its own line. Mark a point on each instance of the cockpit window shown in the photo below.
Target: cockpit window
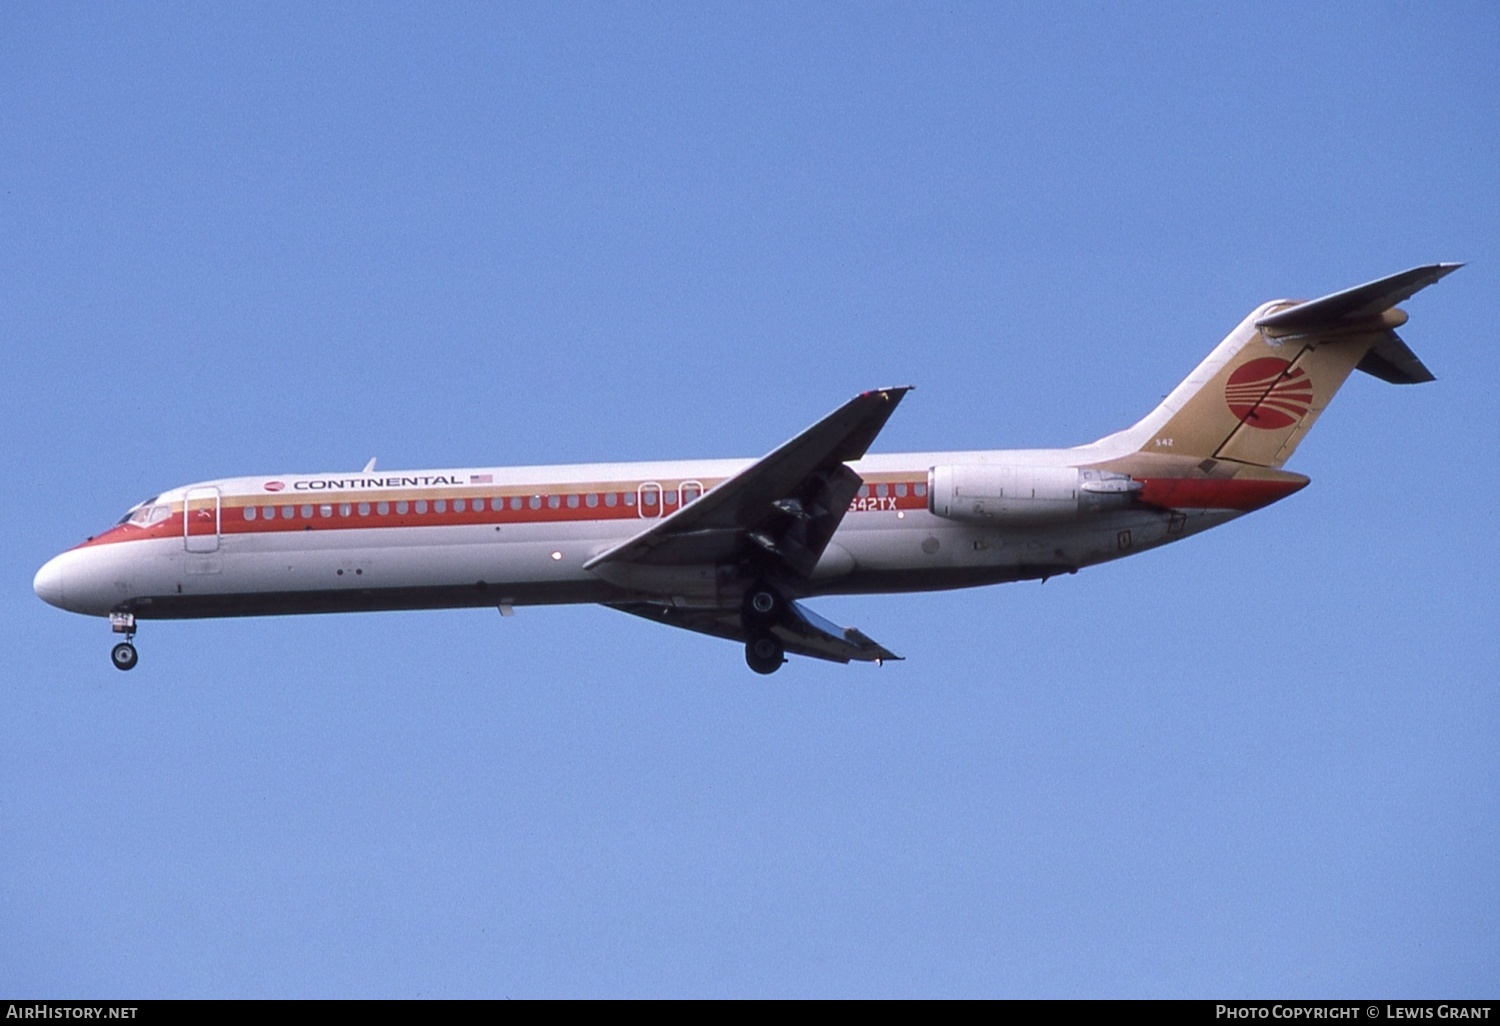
{"x": 147, "y": 513}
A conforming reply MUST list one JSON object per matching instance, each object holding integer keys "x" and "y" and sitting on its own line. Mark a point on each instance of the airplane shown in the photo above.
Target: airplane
{"x": 733, "y": 548}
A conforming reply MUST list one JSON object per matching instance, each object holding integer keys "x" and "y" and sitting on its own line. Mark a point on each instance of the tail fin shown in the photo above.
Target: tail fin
{"x": 1257, "y": 394}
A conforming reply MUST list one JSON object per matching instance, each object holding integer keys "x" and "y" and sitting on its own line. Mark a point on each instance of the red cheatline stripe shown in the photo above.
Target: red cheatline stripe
{"x": 1211, "y": 493}
{"x": 233, "y": 522}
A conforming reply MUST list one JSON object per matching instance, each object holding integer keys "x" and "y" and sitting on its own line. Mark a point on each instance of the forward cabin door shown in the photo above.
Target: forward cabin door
{"x": 200, "y": 521}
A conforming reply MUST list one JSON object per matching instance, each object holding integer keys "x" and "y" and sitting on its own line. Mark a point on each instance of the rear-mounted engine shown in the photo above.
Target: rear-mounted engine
{"x": 991, "y": 494}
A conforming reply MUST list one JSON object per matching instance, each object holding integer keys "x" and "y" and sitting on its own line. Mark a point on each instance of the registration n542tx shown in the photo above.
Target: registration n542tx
{"x": 734, "y": 547}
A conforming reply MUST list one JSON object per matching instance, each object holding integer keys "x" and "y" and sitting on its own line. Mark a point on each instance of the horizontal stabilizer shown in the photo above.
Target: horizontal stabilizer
{"x": 1391, "y": 360}
{"x": 1353, "y": 305}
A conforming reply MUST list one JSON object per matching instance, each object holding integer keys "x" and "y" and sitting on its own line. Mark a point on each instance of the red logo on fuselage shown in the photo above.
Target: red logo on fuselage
{"x": 273, "y": 486}
{"x": 1269, "y": 393}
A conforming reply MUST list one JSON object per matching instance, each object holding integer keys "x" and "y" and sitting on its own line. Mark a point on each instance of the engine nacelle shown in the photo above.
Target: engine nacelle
{"x": 997, "y": 493}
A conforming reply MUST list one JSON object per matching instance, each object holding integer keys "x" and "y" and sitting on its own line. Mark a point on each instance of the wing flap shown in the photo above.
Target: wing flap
{"x": 803, "y": 632}
{"x": 808, "y": 633}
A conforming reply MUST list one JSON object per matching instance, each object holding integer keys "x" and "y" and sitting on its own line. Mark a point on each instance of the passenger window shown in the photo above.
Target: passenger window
{"x": 458, "y": 505}
{"x": 864, "y": 491}
{"x": 901, "y": 490}
{"x": 325, "y": 510}
{"x": 572, "y": 502}
{"x": 440, "y": 506}
{"x": 306, "y": 512}
{"x": 345, "y": 509}
{"x": 882, "y": 490}
{"x": 401, "y": 508}
{"x": 671, "y": 498}
{"x": 610, "y": 498}
{"x": 382, "y": 508}
{"x": 630, "y": 498}
{"x": 591, "y": 500}
{"x": 268, "y": 513}
{"x": 535, "y": 502}
{"x": 249, "y": 512}
{"x": 364, "y": 509}
{"x": 421, "y": 505}
{"x": 553, "y": 502}
{"x": 920, "y": 488}
{"x": 288, "y": 512}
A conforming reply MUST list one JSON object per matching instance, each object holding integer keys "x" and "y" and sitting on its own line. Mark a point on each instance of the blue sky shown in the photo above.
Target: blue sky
{"x": 242, "y": 239}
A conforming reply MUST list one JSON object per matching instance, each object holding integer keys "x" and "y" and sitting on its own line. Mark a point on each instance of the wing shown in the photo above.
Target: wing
{"x": 783, "y": 508}
{"x": 779, "y": 512}
{"x": 803, "y": 632}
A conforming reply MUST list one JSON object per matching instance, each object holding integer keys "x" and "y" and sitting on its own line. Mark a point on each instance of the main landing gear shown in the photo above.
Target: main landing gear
{"x": 764, "y": 607}
{"x": 123, "y": 655}
{"x": 764, "y": 653}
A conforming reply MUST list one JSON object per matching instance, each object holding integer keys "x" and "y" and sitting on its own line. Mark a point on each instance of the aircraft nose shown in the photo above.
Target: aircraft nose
{"x": 48, "y": 582}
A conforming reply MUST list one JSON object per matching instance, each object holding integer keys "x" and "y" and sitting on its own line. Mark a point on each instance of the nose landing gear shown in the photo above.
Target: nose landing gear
{"x": 123, "y": 655}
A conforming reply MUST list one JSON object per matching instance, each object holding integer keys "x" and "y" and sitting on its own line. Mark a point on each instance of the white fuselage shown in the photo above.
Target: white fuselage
{"x": 517, "y": 536}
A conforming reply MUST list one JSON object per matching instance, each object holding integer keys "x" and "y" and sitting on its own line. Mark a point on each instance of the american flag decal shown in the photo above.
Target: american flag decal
{"x": 481, "y": 479}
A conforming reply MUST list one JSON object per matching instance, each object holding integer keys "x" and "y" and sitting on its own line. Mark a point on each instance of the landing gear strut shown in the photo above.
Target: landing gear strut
{"x": 123, "y": 655}
{"x": 764, "y": 653}
{"x": 763, "y": 607}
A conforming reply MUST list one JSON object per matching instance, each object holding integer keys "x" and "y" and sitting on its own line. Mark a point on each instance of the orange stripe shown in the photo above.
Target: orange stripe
{"x": 233, "y": 522}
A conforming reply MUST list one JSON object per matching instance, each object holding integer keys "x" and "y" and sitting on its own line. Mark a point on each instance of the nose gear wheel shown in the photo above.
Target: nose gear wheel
{"x": 124, "y": 656}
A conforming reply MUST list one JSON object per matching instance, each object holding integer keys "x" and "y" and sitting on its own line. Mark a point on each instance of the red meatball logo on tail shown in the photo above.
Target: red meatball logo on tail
{"x": 1269, "y": 394}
